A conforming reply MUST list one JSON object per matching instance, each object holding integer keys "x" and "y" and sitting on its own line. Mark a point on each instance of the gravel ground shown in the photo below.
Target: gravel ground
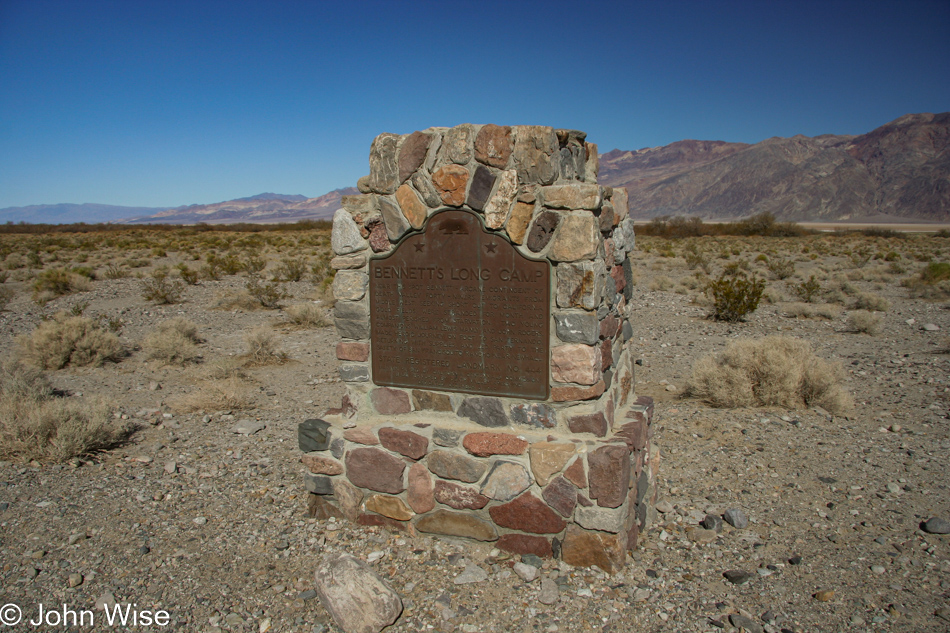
{"x": 208, "y": 524}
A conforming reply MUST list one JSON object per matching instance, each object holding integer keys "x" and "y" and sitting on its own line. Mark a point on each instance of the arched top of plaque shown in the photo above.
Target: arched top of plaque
{"x": 455, "y": 307}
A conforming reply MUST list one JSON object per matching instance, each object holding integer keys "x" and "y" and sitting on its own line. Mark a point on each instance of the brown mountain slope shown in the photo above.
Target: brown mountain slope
{"x": 901, "y": 169}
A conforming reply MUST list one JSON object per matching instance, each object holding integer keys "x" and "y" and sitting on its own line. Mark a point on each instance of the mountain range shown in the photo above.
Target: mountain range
{"x": 899, "y": 172}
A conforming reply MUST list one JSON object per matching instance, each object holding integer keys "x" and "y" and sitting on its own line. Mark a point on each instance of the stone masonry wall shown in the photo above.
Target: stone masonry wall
{"x": 536, "y": 187}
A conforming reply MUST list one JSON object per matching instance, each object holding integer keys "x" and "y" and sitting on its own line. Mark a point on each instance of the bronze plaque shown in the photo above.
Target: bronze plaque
{"x": 456, "y": 308}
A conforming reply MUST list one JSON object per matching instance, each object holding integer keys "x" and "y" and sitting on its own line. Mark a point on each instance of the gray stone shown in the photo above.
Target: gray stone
{"x": 542, "y": 230}
{"x": 318, "y": 484}
{"x": 629, "y": 237}
{"x": 581, "y": 284}
{"x": 603, "y": 519}
{"x": 480, "y": 188}
{"x": 454, "y": 466}
{"x": 498, "y": 208}
{"x": 346, "y": 237}
{"x": 352, "y": 319}
{"x": 412, "y": 153}
{"x": 248, "y": 427}
{"x": 539, "y": 415}
{"x": 383, "y": 171}
{"x": 471, "y": 574}
{"x": 350, "y": 285}
{"x": 930, "y": 327}
{"x": 357, "y": 598}
{"x": 620, "y": 199}
{"x": 354, "y": 373}
{"x": 626, "y": 331}
{"x": 592, "y": 165}
{"x": 736, "y": 518}
{"x": 712, "y": 522}
{"x": 936, "y": 525}
{"x": 313, "y": 435}
{"x": 549, "y": 591}
{"x": 527, "y": 573}
{"x": 394, "y": 219}
{"x": 424, "y": 186}
{"x": 364, "y": 205}
{"x": 568, "y": 165}
{"x": 572, "y": 196}
{"x": 446, "y": 437}
{"x": 458, "y": 146}
{"x": 485, "y": 411}
{"x": 535, "y": 154}
{"x": 742, "y": 622}
{"x": 577, "y": 326}
{"x": 506, "y": 481}
{"x": 737, "y": 577}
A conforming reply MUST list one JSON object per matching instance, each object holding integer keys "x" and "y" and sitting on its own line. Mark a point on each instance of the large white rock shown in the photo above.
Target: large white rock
{"x": 357, "y": 598}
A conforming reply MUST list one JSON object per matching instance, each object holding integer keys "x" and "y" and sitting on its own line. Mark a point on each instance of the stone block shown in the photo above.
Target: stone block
{"x": 575, "y": 473}
{"x": 383, "y": 171}
{"x": 392, "y": 507}
{"x": 537, "y": 415}
{"x": 320, "y": 508}
{"x": 378, "y": 520}
{"x": 527, "y": 513}
{"x": 499, "y": 205}
{"x": 420, "y": 492}
{"x": 430, "y": 401}
{"x": 457, "y": 145}
{"x": 412, "y": 153}
{"x": 321, "y": 465}
{"x": 378, "y": 237}
{"x": 318, "y": 484}
{"x": 460, "y": 524}
{"x": 611, "y": 520}
{"x": 581, "y": 284}
{"x": 581, "y": 548}
{"x": 576, "y": 326}
{"x": 358, "y": 352}
{"x": 424, "y": 188}
{"x": 606, "y": 356}
{"x": 348, "y": 497}
{"x": 592, "y": 165}
{"x": 446, "y": 437}
{"x": 561, "y": 495}
{"x": 523, "y": 544}
{"x": 350, "y": 285}
{"x": 493, "y": 145}
{"x": 357, "y": 598}
{"x": 609, "y": 475}
{"x": 361, "y": 435}
{"x": 634, "y": 430}
{"x": 580, "y": 364}
{"x": 571, "y": 393}
{"x": 535, "y": 154}
{"x": 345, "y": 237}
{"x": 459, "y": 497}
{"x": 518, "y": 220}
{"x": 578, "y": 238}
{"x": 313, "y": 435}
{"x": 352, "y": 319}
{"x": 484, "y": 411}
{"x": 450, "y": 182}
{"x": 548, "y": 458}
{"x": 485, "y": 444}
{"x": 572, "y": 196}
{"x": 376, "y": 470}
{"x": 354, "y": 373}
{"x": 454, "y": 466}
{"x": 541, "y": 232}
{"x": 505, "y": 481}
{"x": 478, "y": 192}
{"x": 412, "y": 206}
{"x": 394, "y": 220}
{"x": 620, "y": 201}
{"x": 407, "y": 443}
{"x": 348, "y": 262}
{"x": 360, "y": 206}
{"x": 606, "y": 218}
{"x": 629, "y": 236}
{"x": 389, "y": 401}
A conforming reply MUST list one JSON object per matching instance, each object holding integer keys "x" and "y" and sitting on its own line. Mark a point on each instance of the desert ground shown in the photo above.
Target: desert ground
{"x": 197, "y": 508}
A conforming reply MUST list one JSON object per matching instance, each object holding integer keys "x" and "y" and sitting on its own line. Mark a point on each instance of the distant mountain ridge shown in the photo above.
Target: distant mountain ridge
{"x": 899, "y": 171}
{"x": 263, "y": 208}
{"x": 68, "y": 213}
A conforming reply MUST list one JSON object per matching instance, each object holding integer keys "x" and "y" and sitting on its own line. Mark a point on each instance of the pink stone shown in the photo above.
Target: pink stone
{"x": 374, "y": 469}
{"x": 378, "y": 238}
{"x": 457, "y": 524}
{"x": 412, "y": 445}
{"x": 581, "y": 548}
{"x": 381, "y": 521}
{"x": 493, "y": 145}
{"x": 485, "y": 444}
{"x": 575, "y": 473}
{"x": 506, "y": 480}
{"x": 459, "y": 497}
{"x": 420, "y": 493}
{"x": 609, "y": 475}
{"x": 569, "y": 394}
{"x": 548, "y": 458}
{"x": 358, "y": 352}
{"x": 620, "y": 282}
{"x": 320, "y": 465}
{"x": 595, "y": 423}
{"x": 634, "y": 430}
{"x": 576, "y": 363}
{"x": 390, "y": 401}
{"x": 609, "y": 326}
{"x": 454, "y": 466}
{"x": 606, "y": 355}
{"x": 525, "y": 544}
{"x": 561, "y": 495}
{"x": 528, "y": 514}
{"x": 361, "y": 435}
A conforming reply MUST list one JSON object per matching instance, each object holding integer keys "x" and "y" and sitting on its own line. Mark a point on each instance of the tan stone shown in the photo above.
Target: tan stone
{"x": 578, "y": 238}
{"x": 576, "y": 363}
{"x": 621, "y": 204}
{"x": 547, "y": 459}
{"x": 392, "y": 507}
{"x": 420, "y": 493}
{"x": 320, "y": 465}
{"x": 348, "y": 262}
{"x": 573, "y": 196}
{"x": 569, "y": 393}
{"x": 518, "y": 221}
{"x": 575, "y": 473}
{"x": 493, "y": 145}
{"x": 581, "y": 548}
{"x": 450, "y": 182}
{"x": 348, "y": 497}
{"x": 412, "y": 206}
{"x": 499, "y": 205}
{"x": 457, "y": 524}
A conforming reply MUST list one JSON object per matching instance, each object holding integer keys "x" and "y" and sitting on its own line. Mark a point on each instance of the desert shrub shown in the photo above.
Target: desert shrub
{"x": 6, "y": 294}
{"x": 860, "y": 259}
{"x": 290, "y": 269}
{"x": 865, "y": 322}
{"x": 933, "y": 281}
{"x": 254, "y": 265}
{"x": 660, "y": 283}
{"x": 780, "y": 268}
{"x": 307, "y": 315}
{"x": 173, "y": 342}
{"x": 935, "y": 272}
{"x": 187, "y": 275}
{"x": 807, "y": 291}
{"x": 69, "y": 340}
{"x": 267, "y": 294}
{"x": 230, "y": 264}
{"x": 114, "y": 271}
{"x": 34, "y": 424}
{"x": 240, "y": 300}
{"x": 735, "y": 296}
{"x": 158, "y": 288}
{"x": 57, "y": 282}
{"x": 320, "y": 269}
{"x": 262, "y": 347}
{"x": 771, "y": 371}
{"x": 216, "y": 395}
{"x": 871, "y": 301}
{"x": 696, "y": 258}
{"x": 812, "y": 310}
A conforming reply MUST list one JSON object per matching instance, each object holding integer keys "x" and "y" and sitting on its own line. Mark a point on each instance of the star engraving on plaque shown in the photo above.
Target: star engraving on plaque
{"x": 491, "y": 247}
{"x": 418, "y": 247}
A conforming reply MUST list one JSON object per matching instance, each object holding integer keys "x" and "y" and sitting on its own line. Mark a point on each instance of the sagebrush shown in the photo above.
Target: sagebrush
{"x": 174, "y": 342}
{"x": 70, "y": 340}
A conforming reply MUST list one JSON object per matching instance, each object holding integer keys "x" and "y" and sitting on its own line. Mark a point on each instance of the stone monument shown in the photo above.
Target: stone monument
{"x": 481, "y": 303}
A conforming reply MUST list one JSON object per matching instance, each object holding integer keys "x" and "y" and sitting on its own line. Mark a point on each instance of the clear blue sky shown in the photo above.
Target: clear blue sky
{"x": 145, "y": 103}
